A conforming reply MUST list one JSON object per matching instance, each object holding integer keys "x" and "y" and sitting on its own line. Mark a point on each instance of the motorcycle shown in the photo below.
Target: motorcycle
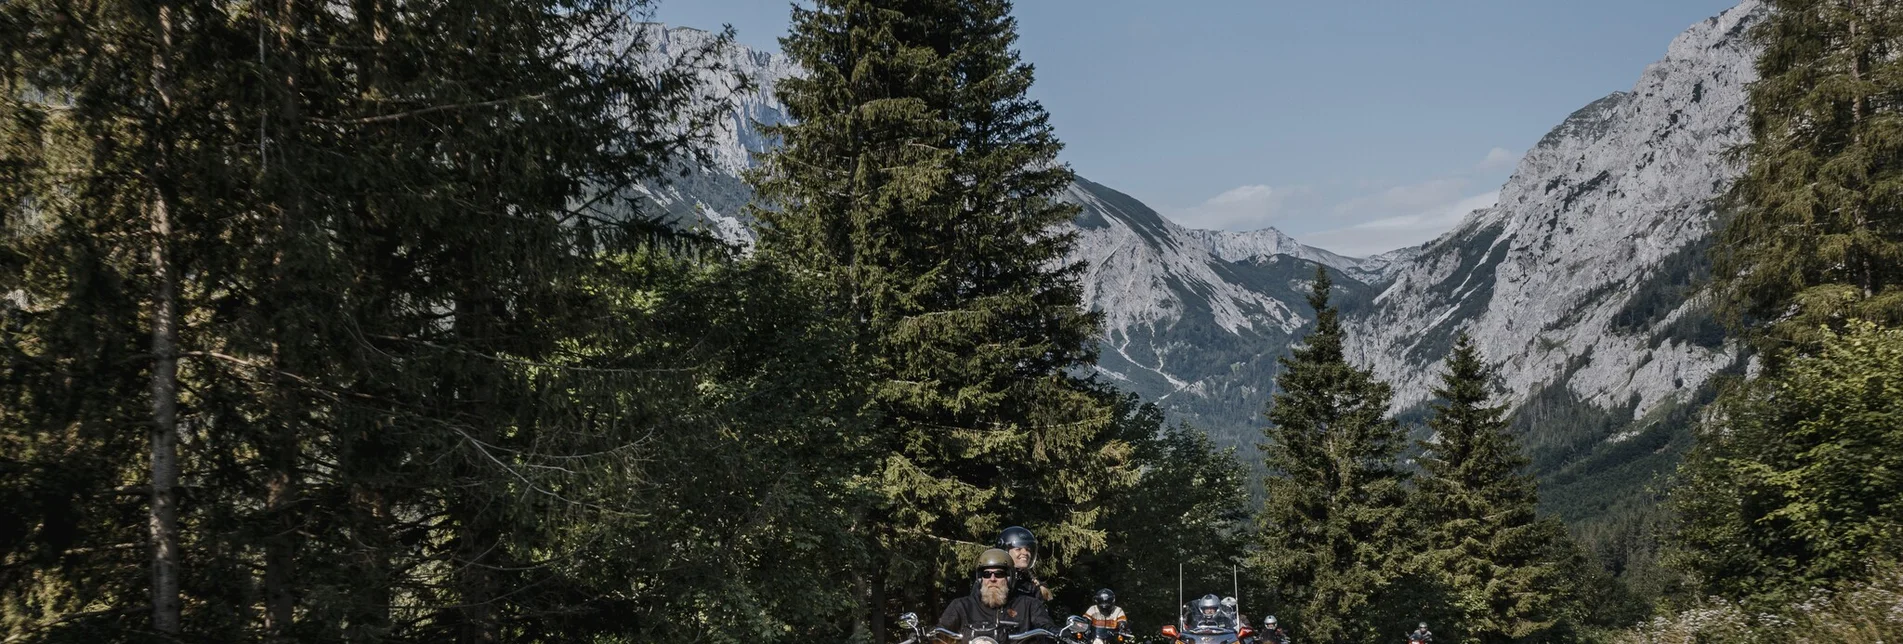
{"x": 1083, "y": 631}
{"x": 941, "y": 635}
{"x": 1209, "y": 634}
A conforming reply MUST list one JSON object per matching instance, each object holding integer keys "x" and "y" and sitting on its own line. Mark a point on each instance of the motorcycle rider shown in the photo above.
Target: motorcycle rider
{"x": 1421, "y": 634}
{"x": 1022, "y": 546}
{"x": 1107, "y": 614}
{"x": 992, "y": 606}
{"x": 1207, "y": 613}
{"x": 1229, "y": 606}
{"x": 1272, "y": 632}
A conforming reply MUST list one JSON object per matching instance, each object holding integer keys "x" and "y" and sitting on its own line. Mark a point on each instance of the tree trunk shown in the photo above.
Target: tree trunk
{"x": 282, "y": 448}
{"x": 164, "y": 389}
{"x": 280, "y": 551}
{"x": 163, "y": 519}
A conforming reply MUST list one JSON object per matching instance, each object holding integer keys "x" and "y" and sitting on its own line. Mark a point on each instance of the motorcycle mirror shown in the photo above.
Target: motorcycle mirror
{"x": 909, "y": 621}
{"x": 1169, "y": 630}
{"x": 1245, "y": 632}
{"x": 1077, "y": 621}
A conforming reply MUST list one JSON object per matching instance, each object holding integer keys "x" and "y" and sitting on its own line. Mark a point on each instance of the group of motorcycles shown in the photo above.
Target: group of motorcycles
{"x": 1076, "y": 629}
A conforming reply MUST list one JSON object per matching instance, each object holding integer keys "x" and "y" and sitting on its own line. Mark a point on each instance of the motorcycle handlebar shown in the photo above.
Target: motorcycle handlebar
{"x": 1030, "y": 634}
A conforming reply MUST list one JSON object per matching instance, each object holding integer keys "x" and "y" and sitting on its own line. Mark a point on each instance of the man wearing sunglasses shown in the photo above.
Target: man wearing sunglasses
{"x": 993, "y": 608}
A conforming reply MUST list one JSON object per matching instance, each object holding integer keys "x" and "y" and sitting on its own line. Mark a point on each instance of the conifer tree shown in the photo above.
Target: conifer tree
{"x": 1332, "y": 528}
{"x": 916, "y": 186}
{"x": 1501, "y": 564}
{"x": 1817, "y": 234}
{"x": 367, "y": 294}
{"x": 1770, "y": 497}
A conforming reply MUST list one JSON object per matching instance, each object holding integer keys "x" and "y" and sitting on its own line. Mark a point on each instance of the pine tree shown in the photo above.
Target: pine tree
{"x": 916, "y": 187}
{"x": 366, "y": 294}
{"x": 1816, "y": 238}
{"x": 1501, "y": 564}
{"x": 1332, "y": 526}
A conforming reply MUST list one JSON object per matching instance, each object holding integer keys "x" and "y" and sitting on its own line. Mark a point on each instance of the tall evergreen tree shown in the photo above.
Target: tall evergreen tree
{"x": 369, "y": 297}
{"x": 1332, "y": 528}
{"x": 1817, "y": 233}
{"x": 1501, "y": 564}
{"x": 917, "y": 187}
{"x": 1771, "y": 498}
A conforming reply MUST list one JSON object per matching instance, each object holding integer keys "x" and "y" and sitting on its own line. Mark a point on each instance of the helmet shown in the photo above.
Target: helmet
{"x": 1106, "y": 599}
{"x": 1423, "y": 626}
{"x": 1208, "y": 604}
{"x": 1229, "y": 603}
{"x": 992, "y": 558}
{"x": 1018, "y": 537}
{"x": 1268, "y": 622}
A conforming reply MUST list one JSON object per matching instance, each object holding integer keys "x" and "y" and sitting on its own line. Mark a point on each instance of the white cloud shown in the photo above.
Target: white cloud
{"x": 1245, "y": 208}
{"x": 1498, "y": 159}
{"x": 1399, "y": 231}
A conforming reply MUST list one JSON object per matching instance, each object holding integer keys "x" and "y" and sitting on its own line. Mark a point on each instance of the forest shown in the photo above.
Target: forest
{"x": 348, "y": 322}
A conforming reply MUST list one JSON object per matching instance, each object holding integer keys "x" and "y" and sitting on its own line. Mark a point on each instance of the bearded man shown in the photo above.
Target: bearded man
{"x": 992, "y": 608}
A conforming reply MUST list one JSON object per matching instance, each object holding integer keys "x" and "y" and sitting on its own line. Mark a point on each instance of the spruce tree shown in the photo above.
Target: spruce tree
{"x": 1770, "y": 497}
{"x": 372, "y": 312}
{"x": 1501, "y": 564}
{"x": 1817, "y": 236}
{"x": 916, "y": 187}
{"x": 1332, "y": 526}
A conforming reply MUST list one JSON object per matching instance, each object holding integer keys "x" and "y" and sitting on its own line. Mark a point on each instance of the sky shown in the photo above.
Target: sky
{"x": 1359, "y": 126}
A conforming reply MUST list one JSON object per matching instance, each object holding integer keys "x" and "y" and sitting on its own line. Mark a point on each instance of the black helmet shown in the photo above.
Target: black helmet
{"x": 1018, "y": 537}
{"x": 1106, "y": 599}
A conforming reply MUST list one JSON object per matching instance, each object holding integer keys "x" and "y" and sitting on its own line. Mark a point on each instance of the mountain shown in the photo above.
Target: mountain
{"x": 1195, "y": 319}
{"x": 1580, "y": 285}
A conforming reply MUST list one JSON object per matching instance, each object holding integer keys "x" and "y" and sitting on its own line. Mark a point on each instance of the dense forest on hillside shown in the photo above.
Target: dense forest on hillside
{"x": 306, "y": 337}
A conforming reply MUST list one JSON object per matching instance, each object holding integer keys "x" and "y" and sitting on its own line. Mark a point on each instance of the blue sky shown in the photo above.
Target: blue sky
{"x": 1355, "y": 125}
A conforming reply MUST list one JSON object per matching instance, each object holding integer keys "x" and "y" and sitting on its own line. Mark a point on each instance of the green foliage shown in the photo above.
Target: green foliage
{"x": 916, "y": 189}
{"x": 423, "y": 369}
{"x": 1793, "y": 484}
{"x": 1502, "y": 567}
{"x": 1332, "y": 532}
{"x": 1189, "y": 508}
{"x": 1817, "y": 234}
{"x": 1862, "y": 613}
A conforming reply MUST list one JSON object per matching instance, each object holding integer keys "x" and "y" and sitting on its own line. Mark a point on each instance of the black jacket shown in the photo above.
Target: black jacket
{"x": 967, "y": 615}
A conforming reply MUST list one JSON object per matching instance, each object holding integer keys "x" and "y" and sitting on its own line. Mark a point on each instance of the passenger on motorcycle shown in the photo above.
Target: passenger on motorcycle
{"x": 1229, "y": 606}
{"x": 1106, "y": 614}
{"x": 1023, "y": 548}
{"x": 1421, "y": 635}
{"x": 993, "y": 608}
{"x": 1272, "y": 632}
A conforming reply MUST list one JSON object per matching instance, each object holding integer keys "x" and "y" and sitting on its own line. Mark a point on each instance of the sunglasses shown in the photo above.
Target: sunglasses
{"x": 993, "y": 574}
